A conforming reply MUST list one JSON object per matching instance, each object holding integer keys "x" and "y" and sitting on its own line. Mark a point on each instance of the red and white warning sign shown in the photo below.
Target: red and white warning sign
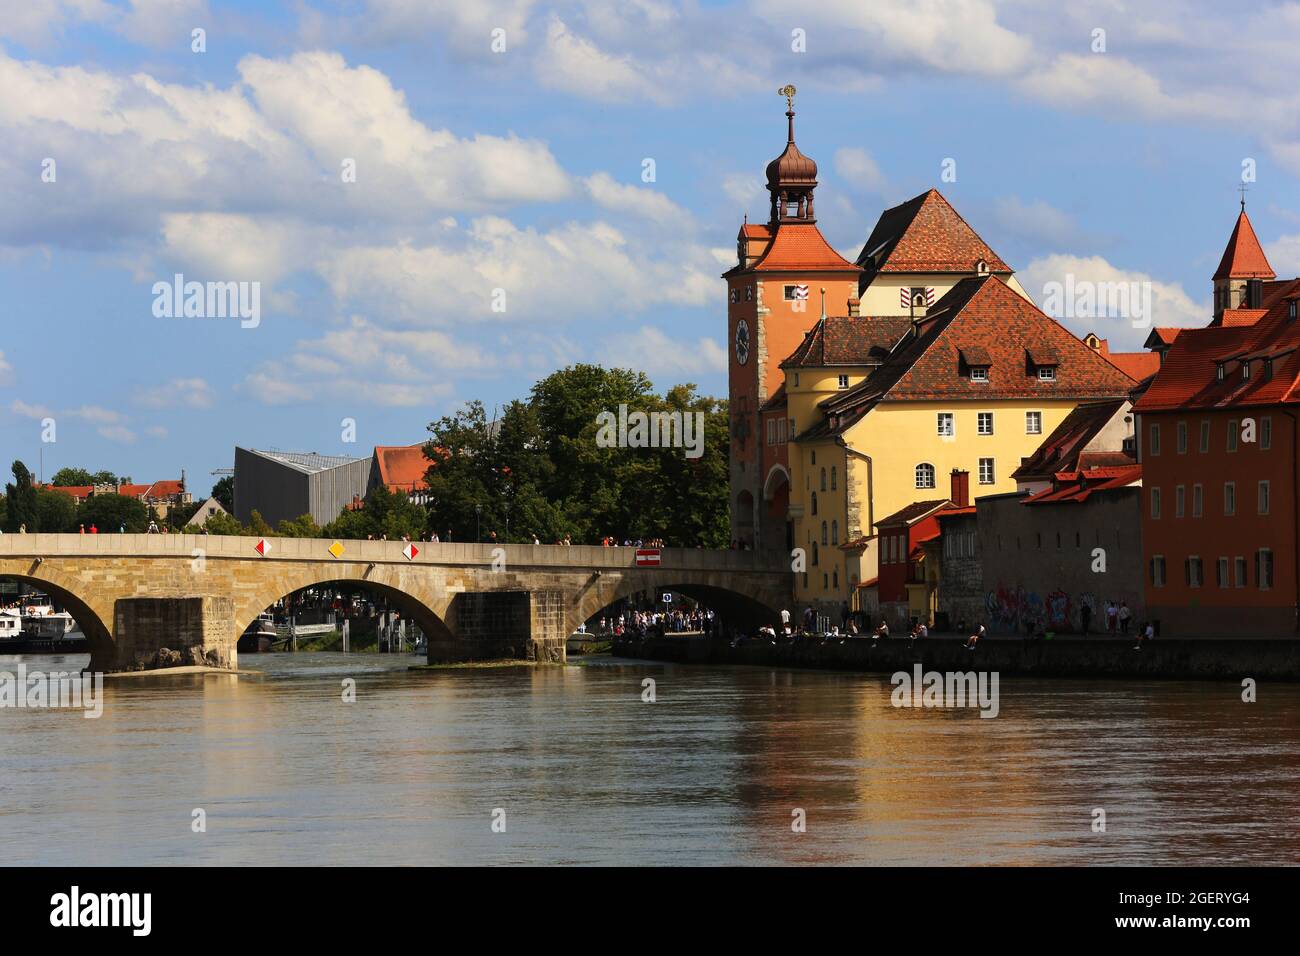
{"x": 647, "y": 557}
{"x": 263, "y": 547}
{"x": 410, "y": 551}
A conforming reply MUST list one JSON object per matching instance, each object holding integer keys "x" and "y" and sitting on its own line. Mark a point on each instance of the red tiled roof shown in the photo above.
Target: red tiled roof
{"x": 800, "y": 246}
{"x": 1103, "y": 459}
{"x": 753, "y": 230}
{"x": 910, "y": 514}
{"x": 978, "y": 315}
{"x": 165, "y": 489}
{"x": 1244, "y": 257}
{"x": 133, "y": 491}
{"x": 925, "y": 234}
{"x": 1074, "y": 486}
{"x": 1163, "y": 335}
{"x": 1064, "y": 446}
{"x": 849, "y": 340}
{"x": 1136, "y": 365}
{"x": 1189, "y": 376}
{"x": 401, "y": 467}
{"x": 777, "y": 400}
{"x": 956, "y": 512}
{"x": 1242, "y": 316}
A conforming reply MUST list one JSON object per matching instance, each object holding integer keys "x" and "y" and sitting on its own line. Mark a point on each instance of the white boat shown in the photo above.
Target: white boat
{"x": 41, "y": 622}
{"x": 11, "y": 624}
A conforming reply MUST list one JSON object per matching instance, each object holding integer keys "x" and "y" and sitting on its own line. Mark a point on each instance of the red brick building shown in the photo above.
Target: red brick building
{"x": 1217, "y": 433}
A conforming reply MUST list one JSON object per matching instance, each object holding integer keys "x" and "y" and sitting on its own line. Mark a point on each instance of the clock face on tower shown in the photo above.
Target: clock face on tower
{"x": 742, "y": 341}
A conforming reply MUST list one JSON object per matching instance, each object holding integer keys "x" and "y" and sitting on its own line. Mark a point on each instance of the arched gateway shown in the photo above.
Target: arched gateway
{"x": 136, "y": 594}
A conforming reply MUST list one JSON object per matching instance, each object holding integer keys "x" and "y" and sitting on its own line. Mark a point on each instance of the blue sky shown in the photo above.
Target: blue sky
{"x": 521, "y": 170}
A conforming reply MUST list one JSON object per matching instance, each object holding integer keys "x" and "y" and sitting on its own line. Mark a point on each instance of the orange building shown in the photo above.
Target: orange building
{"x": 1217, "y": 439}
{"x": 774, "y": 295}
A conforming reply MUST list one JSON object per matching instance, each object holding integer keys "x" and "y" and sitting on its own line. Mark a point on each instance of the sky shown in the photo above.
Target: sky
{"x": 443, "y": 201}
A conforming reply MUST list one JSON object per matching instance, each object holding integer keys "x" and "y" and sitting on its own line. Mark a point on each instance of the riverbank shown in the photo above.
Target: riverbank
{"x": 1059, "y": 657}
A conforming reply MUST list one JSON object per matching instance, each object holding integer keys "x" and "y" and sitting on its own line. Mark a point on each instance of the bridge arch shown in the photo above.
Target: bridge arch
{"x": 747, "y": 607}
{"x": 95, "y": 621}
{"x": 416, "y": 600}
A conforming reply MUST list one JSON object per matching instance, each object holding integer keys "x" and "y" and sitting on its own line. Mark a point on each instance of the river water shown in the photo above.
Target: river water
{"x": 711, "y": 772}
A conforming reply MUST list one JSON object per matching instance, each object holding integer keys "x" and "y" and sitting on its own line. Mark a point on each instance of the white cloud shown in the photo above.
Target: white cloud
{"x": 651, "y": 350}
{"x": 645, "y": 202}
{"x": 6, "y": 371}
{"x": 178, "y": 393}
{"x": 1170, "y": 304}
{"x": 24, "y": 410}
{"x": 1038, "y": 221}
{"x": 576, "y": 65}
{"x": 1284, "y": 256}
{"x": 117, "y": 433}
{"x": 858, "y": 169}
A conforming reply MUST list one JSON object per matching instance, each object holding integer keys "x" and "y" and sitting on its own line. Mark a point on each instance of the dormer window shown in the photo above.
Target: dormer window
{"x": 1268, "y": 369}
{"x": 979, "y": 373}
{"x": 844, "y": 381}
{"x": 1047, "y": 373}
{"x": 1219, "y": 371}
{"x": 981, "y": 268}
{"x": 1245, "y": 370}
{"x": 1291, "y": 310}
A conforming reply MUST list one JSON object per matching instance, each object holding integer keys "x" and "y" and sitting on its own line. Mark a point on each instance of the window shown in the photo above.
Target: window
{"x": 823, "y": 479}
{"x": 814, "y": 561}
{"x": 1239, "y": 567}
{"x": 780, "y": 431}
{"x": 771, "y": 431}
{"x": 1205, "y": 437}
{"x": 986, "y": 471}
{"x": 832, "y": 477}
{"x": 792, "y": 431}
{"x": 1155, "y": 503}
{"x": 835, "y": 532}
{"x": 1033, "y": 423}
{"x": 1182, "y": 438}
{"x": 1192, "y": 571}
{"x": 1158, "y": 570}
{"x": 844, "y": 381}
{"x": 1232, "y": 435}
{"x": 796, "y": 379}
{"x": 1245, "y": 369}
{"x": 814, "y": 502}
{"x": 1291, "y": 310}
{"x": 945, "y": 425}
{"x": 1179, "y": 496}
{"x": 1197, "y": 500}
{"x": 1264, "y": 569}
{"x": 1219, "y": 371}
{"x": 1262, "y": 502}
{"x": 1155, "y": 440}
{"x": 985, "y": 423}
{"x": 1266, "y": 433}
{"x": 925, "y": 475}
{"x": 749, "y": 293}
{"x": 1229, "y": 498}
{"x": 792, "y": 293}
{"x": 980, "y": 373}
{"x": 835, "y": 579}
{"x": 825, "y": 539}
{"x": 1047, "y": 373}
{"x": 1221, "y": 573}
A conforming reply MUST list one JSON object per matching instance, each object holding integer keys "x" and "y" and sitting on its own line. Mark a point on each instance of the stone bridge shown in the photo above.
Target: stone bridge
{"x": 133, "y": 594}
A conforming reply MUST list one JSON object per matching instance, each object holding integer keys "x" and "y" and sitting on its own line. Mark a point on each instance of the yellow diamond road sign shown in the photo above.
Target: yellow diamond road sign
{"x": 336, "y": 549}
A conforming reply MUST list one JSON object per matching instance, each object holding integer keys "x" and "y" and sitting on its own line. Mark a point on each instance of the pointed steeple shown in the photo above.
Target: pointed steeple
{"x": 1237, "y": 281}
{"x": 1244, "y": 257}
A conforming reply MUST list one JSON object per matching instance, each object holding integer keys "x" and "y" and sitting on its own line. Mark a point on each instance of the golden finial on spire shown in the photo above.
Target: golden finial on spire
{"x": 788, "y": 91}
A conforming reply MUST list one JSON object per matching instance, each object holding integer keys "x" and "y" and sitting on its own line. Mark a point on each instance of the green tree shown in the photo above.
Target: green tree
{"x": 222, "y": 523}
{"x": 68, "y": 477}
{"x": 303, "y": 526}
{"x": 110, "y": 513}
{"x": 179, "y": 516}
{"x": 21, "y": 498}
{"x": 257, "y": 525}
{"x": 55, "y": 511}
{"x": 224, "y": 492}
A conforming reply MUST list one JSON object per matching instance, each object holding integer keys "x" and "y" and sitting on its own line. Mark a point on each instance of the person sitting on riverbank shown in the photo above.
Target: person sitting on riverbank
{"x": 1144, "y": 634}
{"x": 974, "y": 638}
{"x": 882, "y": 631}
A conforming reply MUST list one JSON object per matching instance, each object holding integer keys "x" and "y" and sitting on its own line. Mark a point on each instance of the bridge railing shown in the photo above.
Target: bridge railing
{"x": 190, "y": 546}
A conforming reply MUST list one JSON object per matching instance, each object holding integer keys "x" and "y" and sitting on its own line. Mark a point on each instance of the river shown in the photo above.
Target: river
{"x": 712, "y": 772}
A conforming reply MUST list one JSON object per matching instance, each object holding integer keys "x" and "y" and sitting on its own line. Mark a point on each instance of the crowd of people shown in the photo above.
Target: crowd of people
{"x": 640, "y": 624}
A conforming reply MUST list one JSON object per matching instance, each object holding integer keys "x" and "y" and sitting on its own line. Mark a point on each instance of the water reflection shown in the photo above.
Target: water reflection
{"x": 587, "y": 773}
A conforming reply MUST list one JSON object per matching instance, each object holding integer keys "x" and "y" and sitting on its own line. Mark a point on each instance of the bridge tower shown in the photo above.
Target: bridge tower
{"x": 786, "y": 274}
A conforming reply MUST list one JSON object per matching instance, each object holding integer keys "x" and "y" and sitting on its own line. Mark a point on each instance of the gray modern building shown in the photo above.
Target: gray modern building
{"x": 283, "y": 485}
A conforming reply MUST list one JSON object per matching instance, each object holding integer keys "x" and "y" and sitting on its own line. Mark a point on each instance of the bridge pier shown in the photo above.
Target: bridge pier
{"x": 500, "y": 625}
{"x": 170, "y": 632}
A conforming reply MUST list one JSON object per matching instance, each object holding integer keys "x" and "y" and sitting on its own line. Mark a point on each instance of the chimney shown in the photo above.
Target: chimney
{"x": 960, "y": 494}
{"x": 1254, "y": 293}
{"x": 855, "y": 307}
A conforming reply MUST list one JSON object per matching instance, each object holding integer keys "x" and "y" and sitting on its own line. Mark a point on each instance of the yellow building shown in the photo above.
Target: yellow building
{"x": 964, "y": 374}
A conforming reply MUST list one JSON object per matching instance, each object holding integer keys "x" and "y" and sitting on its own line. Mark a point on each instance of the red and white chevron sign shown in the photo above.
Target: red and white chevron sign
{"x": 410, "y": 551}
{"x": 263, "y": 547}
{"x": 647, "y": 557}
